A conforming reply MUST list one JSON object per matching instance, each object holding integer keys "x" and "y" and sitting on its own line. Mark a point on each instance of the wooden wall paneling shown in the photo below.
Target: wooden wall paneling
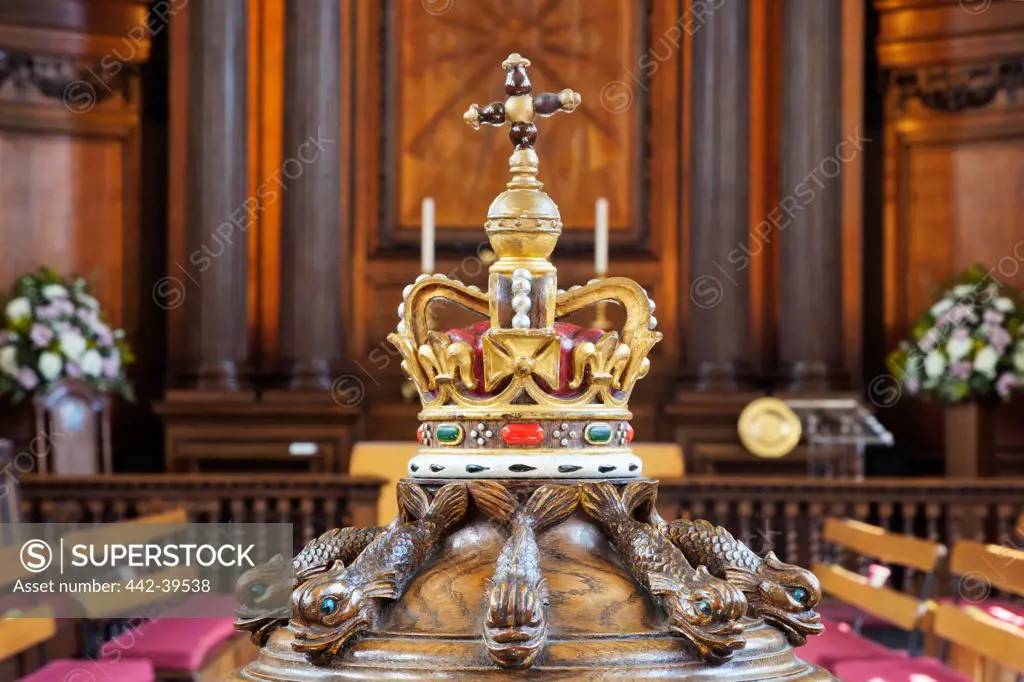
{"x": 852, "y": 126}
{"x": 266, "y": 114}
{"x": 365, "y": 132}
{"x": 954, "y": 170}
{"x": 765, "y": 87}
{"x": 70, "y": 143}
{"x": 170, "y": 290}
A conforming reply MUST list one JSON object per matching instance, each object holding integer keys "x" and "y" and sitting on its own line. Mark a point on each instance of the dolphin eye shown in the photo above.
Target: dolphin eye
{"x": 328, "y": 605}
{"x": 703, "y": 607}
{"x": 801, "y": 595}
{"x": 257, "y": 590}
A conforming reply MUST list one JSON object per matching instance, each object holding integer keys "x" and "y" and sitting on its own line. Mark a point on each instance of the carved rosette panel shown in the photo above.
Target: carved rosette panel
{"x": 457, "y": 51}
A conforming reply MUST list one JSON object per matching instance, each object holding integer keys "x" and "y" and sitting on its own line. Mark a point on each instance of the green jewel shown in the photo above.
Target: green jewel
{"x": 598, "y": 433}
{"x": 449, "y": 434}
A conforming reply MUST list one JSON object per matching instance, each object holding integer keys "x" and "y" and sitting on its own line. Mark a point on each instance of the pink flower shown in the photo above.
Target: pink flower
{"x": 957, "y": 315}
{"x": 73, "y": 370}
{"x": 104, "y": 336}
{"x": 992, "y": 317}
{"x": 999, "y": 338}
{"x": 1005, "y": 383}
{"x": 927, "y": 342}
{"x": 961, "y": 370}
{"x": 27, "y": 378}
{"x": 111, "y": 367}
{"x": 41, "y": 335}
{"x": 4, "y": 338}
{"x": 48, "y": 312}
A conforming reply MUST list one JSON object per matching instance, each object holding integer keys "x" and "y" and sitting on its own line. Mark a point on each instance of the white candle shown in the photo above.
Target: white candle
{"x": 601, "y": 236}
{"x": 427, "y": 236}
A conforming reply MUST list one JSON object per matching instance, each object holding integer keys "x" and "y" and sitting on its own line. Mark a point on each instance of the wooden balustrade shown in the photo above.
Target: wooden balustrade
{"x": 786, "y": 515}
{"x": 313, "y": 503}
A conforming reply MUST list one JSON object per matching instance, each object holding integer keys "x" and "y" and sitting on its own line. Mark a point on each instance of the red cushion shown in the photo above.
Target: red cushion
{"x": 172, "y": 643}
{"x": 910, "y": 670}
{"x": 840, "y": 643}
{"x": 81, "y": 670}
{"x": 569, "y": 335}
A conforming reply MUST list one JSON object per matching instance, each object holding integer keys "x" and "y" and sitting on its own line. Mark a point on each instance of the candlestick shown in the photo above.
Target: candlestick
{"x": 427, "y": 236}
{"x": 601, "y": 236}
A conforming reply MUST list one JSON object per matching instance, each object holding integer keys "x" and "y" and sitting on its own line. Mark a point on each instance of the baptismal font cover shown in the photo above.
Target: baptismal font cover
{"x": 527, "y": 543}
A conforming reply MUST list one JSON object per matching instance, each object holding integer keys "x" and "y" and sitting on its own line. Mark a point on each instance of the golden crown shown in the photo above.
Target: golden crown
{"x": 522, "y": 379}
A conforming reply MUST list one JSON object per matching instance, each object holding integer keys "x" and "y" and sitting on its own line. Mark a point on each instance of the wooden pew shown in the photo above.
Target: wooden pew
{"x": 892, "y": 607}
{"x": 902, "y": 610}
{"x": 984, "y": 633}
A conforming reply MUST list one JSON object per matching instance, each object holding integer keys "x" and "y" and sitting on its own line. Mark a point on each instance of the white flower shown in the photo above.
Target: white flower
{"x": 72, "y": 344}
{"x": 8, "y": 360}
{"x": 88, "y": 301}
{"x": 958, "y": 348}
{"x": 986, "y": 360}
{"x": 1004, "y": 304}
{"x": 962, "y": 290}
{"x": 19, "y": 309}
{"x": 54, "y": 291}
{"x": 942, "y": 306}
{"x": 934, "y": 364}
{"x": 50, "y": 365}
{"x": 1018, "y": 357}
{"x": 92, "y": 363}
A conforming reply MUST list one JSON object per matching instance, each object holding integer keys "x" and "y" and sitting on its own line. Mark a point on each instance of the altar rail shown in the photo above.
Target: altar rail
{"x": 313, "y": 503}
{"x": 785, "y": 515}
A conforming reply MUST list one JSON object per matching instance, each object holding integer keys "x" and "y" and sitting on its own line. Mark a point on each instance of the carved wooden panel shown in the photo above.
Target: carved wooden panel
{"x": 443, "y": 56}
{"x": 64, "y": 209}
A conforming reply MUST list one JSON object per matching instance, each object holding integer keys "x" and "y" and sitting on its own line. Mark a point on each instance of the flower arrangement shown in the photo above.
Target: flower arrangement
{"x": 968, "y": 347}
{"x": 52, "y": 329}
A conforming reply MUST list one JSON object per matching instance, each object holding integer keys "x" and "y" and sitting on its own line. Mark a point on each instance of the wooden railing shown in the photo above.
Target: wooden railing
{"x": 313, "y": 503}
{"x": 786, "y": 515}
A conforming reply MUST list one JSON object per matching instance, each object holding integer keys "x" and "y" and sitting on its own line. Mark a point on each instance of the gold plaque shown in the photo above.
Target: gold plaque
{"x": 769, "y": 428}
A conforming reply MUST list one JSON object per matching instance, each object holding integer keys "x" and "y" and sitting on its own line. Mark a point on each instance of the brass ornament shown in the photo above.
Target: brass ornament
{"x": 329, "y": 610}
{"x": 782, "y": 594}
{"x": 769, "y": 428}
{"x": 264, "y": 583}
{"x": 515, "y": 627}
{"x": 702, "y": 609}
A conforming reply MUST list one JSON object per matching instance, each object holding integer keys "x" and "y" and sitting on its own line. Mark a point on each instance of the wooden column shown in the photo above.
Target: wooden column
{"x": 718, "y": 341}
{"x": 810, "y": 221}
{"x": 215, "y": 340}
{"x": 310, "y": 312}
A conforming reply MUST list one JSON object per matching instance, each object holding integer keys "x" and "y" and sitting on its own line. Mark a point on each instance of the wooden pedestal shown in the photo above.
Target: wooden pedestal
{"x": 601, "y": 623}
{"x": 970, "y": 440}
{"x": 283, "y": 432}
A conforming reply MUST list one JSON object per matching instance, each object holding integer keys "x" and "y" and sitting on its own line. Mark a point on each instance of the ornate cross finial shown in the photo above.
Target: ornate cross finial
{"x": 520, "y": 109}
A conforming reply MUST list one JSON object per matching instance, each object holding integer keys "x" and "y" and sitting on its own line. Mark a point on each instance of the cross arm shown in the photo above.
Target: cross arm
{"x": 492, "y": 114}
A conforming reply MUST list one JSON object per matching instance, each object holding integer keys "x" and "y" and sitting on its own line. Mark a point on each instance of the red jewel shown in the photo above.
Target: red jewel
{"x": 419, "y": 433}
{"x": 522, "y": 434}
{"x": 629, "y": 433}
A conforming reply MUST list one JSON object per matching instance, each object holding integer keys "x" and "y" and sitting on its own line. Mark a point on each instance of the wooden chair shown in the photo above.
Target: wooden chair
{"x": 898, "y": 609}
{"x": 179, "y": 647}
{"x": 987, "y": 580}
{"x": 74, "y": 422}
